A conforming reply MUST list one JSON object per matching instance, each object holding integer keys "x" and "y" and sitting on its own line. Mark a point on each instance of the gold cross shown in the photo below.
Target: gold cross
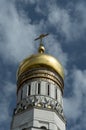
{"x": 41, "y": 37}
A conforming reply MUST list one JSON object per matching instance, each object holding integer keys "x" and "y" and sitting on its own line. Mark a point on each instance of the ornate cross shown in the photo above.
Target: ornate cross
{"x": 41, "y": 37}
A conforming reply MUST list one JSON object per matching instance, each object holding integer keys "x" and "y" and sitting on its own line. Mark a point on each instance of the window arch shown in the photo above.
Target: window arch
{"x": 21, "y": 94}
{"x": 43, "y": 127}
{"x": 56, "y": 93}
{"x": 39, "y": 88}
{"x": 24, "y": 129}
{"x": 29, "y": 89}
{"x": 48, "y": 89}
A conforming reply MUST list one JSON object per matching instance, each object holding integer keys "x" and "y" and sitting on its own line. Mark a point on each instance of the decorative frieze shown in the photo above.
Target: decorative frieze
{"x": 39, "y": 101}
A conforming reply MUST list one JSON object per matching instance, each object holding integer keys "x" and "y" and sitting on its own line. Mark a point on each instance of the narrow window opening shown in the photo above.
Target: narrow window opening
{"x": 38, "y": 88}
{"x": 48, "y": 90}
{"x": 56, "y": 93}
{"x": 43, "y": 127}
{"x": 21, "y": 94}
{"x": 29, "y": 89}
{"x": 24, "y": 129}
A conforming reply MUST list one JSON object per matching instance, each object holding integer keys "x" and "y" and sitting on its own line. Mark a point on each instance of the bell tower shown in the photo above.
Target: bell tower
{"x": 40, "y": 84}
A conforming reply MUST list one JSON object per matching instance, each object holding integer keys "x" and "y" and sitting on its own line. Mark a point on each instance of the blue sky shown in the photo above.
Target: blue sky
{"x": 21, "y": 21}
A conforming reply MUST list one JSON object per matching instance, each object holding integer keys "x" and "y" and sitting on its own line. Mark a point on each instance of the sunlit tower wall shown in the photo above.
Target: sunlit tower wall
{"x": 40, "y": 84}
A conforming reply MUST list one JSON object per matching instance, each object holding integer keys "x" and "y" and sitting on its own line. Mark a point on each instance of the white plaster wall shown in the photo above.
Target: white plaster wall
{"x": 43, "y": 88}
{"x": 24, "y": 89}
{"x": 59, "y": 96}
{"x": 23, "y": 118}
{"x": 33, "y": 88}
{"x": 52, "y": 90}
{"x": 19, "y": 96}
{"x": 38, "y": 118}
{"x": 49, "y": 117}
{"x": 52, "y": 126}
{"x": 36, "y": 87}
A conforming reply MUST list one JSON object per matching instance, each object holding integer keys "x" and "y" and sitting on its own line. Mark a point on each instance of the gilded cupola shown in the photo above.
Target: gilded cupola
{"x": 37, "y": 61}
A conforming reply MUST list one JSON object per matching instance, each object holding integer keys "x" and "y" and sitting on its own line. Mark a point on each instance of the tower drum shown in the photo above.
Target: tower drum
{"x": 40, "y": 84}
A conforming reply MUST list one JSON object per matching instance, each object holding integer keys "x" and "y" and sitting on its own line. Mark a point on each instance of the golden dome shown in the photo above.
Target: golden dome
{"x": 39, "y": 60}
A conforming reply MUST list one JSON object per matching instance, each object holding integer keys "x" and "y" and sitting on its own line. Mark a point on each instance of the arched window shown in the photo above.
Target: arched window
{"x": 29, "y": 89}
{"x": 55, "y": 93}
{"x": 38, "y": 88}
{"x": 24, "y": 129}
{"x": 21, "y": 93}
{"x": 43, "y": 127}
{"x": 48, "y": 90}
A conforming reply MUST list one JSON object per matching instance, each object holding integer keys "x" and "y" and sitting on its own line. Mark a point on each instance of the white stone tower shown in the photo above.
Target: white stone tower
{"x": 40, "y": 84}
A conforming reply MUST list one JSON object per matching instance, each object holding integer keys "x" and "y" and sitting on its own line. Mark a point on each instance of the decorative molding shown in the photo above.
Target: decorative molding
{"x": 40, "y": 73}
{"x": 39, "y": 101}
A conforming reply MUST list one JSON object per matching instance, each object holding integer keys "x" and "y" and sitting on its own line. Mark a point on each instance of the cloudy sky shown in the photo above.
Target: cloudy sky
{"x": 21, "y": 21}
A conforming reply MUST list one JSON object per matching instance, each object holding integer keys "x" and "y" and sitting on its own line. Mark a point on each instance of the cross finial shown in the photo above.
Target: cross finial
{"x": 41, "y": 48}
{"x": 41, "y": 37}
